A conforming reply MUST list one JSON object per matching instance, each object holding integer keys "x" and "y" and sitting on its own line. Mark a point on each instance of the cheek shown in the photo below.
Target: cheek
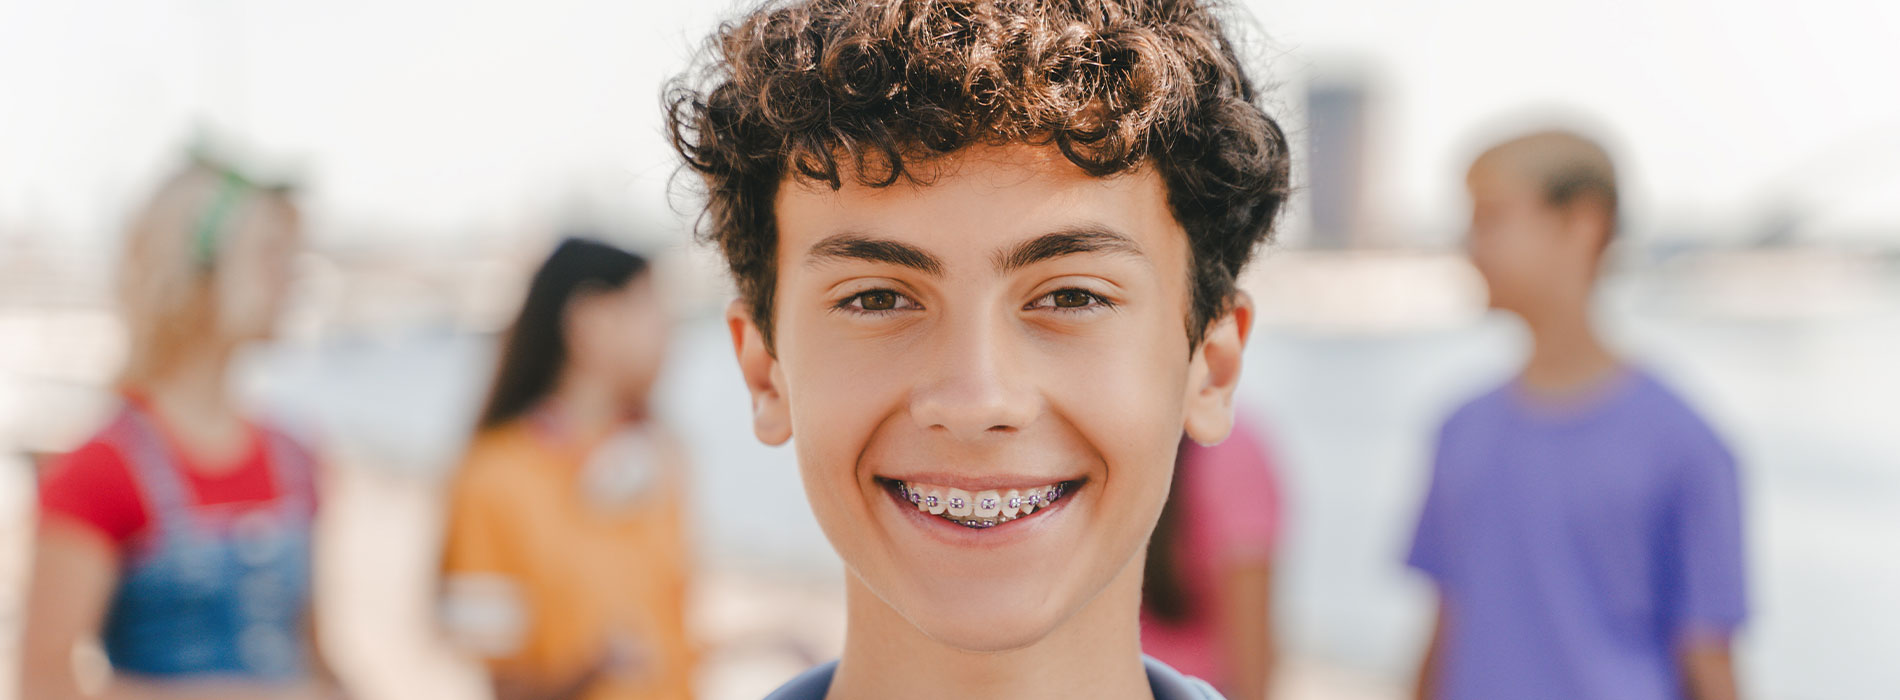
{"x": 1113, "y": 392}
{"x": 646, "y": 336}
{"x": 1486, "y": 256}
{"x": 1130, "y": 412}
{"x": 838, "y": 398}
{"x": 1502, "y": 254}
{"x": 270, "y": 251}
{"x": 251, "y": 292}
{"x": 282, "y": 278}
{"x": 838, "y": 392}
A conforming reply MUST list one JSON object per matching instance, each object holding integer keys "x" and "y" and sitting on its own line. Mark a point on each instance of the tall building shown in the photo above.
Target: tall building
{"x": 1336, "y": 159}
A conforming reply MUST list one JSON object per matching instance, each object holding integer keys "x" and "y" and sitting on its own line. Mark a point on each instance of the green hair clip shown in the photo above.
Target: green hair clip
{"x": 212, "y": 226}
{"x": 234, "y": 188}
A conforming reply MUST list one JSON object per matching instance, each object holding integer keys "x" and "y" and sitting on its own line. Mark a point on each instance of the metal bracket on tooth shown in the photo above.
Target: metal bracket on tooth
{"x": 982, "y": 522}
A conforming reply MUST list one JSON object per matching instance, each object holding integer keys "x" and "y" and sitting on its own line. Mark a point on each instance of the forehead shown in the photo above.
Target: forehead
{"x": 265, "y": 222}
{"x": 1499, "y": 179}
{"x": 970, "y": 202}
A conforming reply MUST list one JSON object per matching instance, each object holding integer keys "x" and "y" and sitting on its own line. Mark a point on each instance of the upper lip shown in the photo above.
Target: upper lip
{"x": 978, "y": 482}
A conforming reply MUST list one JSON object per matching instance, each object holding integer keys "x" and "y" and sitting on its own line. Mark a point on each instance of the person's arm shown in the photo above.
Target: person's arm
{"x": 482, "y": 610}
{"x": 1432, "y": 550}
{"x": 1246, "y": 597}
{"x": 685, "y": 653}
{"x": 323, "y": 678}
{"x": 1427, "y": 687}
{"x": 1710, "y": 589}
{"x": 483, "y": 615}
{"x": 511, "y": 686}
{"x": 75, "y": 570}
{"x": 1708, "y": 670}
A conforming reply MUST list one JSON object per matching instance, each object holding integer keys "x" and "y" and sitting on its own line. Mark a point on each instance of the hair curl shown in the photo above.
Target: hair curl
{"x": 870, "y": 89}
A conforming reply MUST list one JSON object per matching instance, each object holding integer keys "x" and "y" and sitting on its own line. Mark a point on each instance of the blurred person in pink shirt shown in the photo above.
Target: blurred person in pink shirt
{"x": 1206, "y": 597}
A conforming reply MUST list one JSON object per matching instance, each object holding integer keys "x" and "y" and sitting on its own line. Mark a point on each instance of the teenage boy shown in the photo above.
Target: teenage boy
{"x": 986, "y": 254}
{"x": 1583, "y": 523}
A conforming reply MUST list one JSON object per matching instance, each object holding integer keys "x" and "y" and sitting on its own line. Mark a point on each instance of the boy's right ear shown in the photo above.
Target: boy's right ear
{"x": 771, "y": 415}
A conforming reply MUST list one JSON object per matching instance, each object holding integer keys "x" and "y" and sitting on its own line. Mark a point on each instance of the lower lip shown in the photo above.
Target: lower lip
{"x": 1008, "y": 533}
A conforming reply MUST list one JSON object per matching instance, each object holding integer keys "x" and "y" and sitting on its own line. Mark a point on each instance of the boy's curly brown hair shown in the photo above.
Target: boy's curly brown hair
{"x": 872, "y": 89}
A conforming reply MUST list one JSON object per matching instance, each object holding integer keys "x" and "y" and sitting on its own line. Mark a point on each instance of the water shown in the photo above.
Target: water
{"x": 1809, "y": 406}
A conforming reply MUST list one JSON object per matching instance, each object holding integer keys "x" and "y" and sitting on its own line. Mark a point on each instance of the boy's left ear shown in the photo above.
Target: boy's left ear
{"x": 771, "y": 412}
{"x": 1214, "y": 372}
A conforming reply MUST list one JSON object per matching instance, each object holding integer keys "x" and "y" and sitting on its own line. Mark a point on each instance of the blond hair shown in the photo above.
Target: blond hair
{"x": 174, "y": 245}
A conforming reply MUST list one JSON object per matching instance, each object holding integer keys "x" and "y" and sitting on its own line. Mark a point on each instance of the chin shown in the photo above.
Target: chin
{"x": 985, "y": 634}
{"x": 984, "y": 617}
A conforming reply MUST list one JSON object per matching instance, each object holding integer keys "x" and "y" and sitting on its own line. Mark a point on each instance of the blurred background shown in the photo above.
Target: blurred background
{"x": 445, "y": 143}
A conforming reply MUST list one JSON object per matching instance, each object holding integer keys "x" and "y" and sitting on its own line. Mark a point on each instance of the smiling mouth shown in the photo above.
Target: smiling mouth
{"x": 980, "y": 509}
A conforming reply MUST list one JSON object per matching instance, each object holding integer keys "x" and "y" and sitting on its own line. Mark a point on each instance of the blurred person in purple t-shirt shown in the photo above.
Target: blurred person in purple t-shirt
{"x": 1583, "y": 524}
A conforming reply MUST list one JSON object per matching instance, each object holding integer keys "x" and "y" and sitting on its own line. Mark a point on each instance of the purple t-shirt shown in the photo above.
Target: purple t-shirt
{"x": 1577, "y": 545}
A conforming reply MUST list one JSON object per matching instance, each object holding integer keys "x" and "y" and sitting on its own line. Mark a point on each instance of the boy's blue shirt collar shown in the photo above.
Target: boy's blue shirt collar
{"x": 1167, "y": 684}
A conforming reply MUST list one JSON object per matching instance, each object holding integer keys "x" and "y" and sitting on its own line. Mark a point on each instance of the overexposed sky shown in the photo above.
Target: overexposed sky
{"x": 432, "y": 117}
{"x": 1718, "y": 107}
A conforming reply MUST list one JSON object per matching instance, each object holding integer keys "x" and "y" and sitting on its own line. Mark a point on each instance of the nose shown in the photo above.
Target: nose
{"x": 974, "y": 386}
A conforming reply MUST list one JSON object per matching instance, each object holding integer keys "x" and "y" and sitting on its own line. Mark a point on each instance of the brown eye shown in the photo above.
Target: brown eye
{"x": 1071, "y": 299}
{"x": 878, "y": 300}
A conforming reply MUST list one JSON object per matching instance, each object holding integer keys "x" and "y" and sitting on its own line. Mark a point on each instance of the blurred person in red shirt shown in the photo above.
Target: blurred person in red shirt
{"x": 179, "y": 535}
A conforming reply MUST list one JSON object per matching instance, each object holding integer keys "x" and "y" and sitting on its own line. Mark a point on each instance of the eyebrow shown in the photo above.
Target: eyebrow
{"x": 1086, "y": 238}
{"x": 857, "y": 246}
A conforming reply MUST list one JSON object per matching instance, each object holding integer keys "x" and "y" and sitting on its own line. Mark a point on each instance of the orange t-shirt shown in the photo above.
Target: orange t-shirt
{"x": 584, "y": 573}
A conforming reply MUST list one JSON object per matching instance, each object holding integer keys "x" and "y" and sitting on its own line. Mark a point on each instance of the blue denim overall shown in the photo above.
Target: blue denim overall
{"x": 212, "y": 590}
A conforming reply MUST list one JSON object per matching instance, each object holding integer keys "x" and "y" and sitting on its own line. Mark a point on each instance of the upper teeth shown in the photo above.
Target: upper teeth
{"x": 960, "y": 503}
{"x": 982, "y": 508}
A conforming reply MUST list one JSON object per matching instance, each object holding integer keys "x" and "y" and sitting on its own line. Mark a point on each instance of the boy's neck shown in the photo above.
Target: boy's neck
{"x": 1567, "y": 356}
{"x": 1095, "y": 654}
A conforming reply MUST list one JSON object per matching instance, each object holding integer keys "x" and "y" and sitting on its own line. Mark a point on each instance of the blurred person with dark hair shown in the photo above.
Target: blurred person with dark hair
{"x": 1207, "y": 589}
{"x": 180, "y": 534}
{"x": 566, "y": 562}
{"x": 1583, "y": 523}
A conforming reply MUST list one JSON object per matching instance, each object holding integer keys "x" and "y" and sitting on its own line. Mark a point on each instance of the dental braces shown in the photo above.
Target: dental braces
{"x": 1037, "y": 499}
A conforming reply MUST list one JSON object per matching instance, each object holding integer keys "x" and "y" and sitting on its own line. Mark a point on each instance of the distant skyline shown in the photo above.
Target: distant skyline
{"x": 436, "y": 117}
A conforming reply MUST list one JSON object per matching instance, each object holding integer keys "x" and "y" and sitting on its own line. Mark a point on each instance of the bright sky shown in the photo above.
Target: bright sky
{"x": 437, "y": 116}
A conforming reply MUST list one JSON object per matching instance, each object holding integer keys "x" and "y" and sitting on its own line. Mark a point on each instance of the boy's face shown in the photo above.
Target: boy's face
{"x": 1015, "y": 324}
{"x": 1517, "y": 241}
